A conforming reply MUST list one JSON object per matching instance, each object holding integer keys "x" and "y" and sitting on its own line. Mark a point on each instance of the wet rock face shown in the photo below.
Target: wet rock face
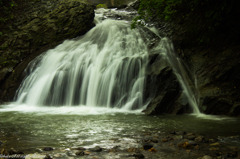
{"x": 42, "y": 26}
{"x": 218, "y": 81}
{"x": 215, "y": 67}
{"x": 216, "y": 72}
{"x": 163, "y": 88}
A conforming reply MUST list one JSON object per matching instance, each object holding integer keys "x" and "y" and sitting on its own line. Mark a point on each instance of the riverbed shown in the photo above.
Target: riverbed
{"x": 30, "y": 129}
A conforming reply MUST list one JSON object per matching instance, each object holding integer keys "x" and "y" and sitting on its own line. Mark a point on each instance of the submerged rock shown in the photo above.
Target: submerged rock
{"x": 80, "y": 153}
{"x": 192, "y": 142}
{"x": 199, "y": 139}
{"x": 191, "y": 137}
{"x": 147, "y": 146}
{"x": 96, "y": 149}
{"x": 206, "y": 157}
{"x": 132, "y": 149}
{"x": 48, "y": 149}
{"x": 185, "y": 145}
{"x": 13, "y": 152}
{"x": 138, "y": 155}
{"x": 48, "y": 157}
{"x": 78, "y": 148}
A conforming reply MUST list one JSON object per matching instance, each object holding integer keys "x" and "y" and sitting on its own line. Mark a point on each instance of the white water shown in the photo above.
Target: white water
{"x": 103, "y": 69}
{"x": 166, "y": 49}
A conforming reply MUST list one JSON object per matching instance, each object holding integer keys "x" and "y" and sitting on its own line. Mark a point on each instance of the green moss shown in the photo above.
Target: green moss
{"x": 3, "y": 47}
{"x": 101, "y": 6}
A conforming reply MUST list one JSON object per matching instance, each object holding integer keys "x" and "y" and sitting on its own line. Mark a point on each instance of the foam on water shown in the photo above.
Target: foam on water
{"x": 65, "y": 110}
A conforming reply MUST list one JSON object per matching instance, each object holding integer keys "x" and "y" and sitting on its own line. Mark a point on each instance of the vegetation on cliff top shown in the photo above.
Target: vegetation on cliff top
{"x": 202, "y": 19}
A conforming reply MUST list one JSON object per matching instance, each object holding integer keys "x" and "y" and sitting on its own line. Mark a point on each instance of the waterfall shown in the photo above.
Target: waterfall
{"x": 106, "y": 67}
{"x": 103, "y": 68}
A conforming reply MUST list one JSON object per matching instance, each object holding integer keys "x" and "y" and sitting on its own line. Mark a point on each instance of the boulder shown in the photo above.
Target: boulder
{"x": 163, "y": 88}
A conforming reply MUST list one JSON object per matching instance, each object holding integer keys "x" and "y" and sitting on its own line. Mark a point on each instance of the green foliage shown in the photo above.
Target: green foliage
{"x": 202, "y": 18}
{"x": 101, "y": 6}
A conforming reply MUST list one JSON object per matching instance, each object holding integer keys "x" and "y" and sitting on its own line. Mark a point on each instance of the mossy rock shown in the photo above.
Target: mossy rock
{"x": 101, "y": 6}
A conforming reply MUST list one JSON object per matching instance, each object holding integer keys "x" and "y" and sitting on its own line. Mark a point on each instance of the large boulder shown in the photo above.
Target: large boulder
{"x": 164, "y": 90}
{"x": 42, "y": 26}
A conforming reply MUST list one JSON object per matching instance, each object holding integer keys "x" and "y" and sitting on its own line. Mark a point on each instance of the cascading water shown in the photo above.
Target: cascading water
{"x": 104, "y": 68}
{"x": 166, "y": 50}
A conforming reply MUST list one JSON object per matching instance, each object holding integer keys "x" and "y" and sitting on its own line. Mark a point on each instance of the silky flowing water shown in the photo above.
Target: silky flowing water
{"x": 89, "y": 91}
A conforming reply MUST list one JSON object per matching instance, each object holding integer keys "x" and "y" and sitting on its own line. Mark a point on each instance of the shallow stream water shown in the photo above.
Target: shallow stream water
{"x": 29, "y": 129}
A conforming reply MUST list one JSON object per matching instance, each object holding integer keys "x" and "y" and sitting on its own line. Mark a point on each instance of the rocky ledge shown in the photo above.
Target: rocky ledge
{"x": 43, "y": 25}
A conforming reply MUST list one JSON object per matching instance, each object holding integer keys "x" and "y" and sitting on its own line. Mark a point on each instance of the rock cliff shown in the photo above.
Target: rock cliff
{"x": 215, "y": 67}
{"x": 42, "y": 25}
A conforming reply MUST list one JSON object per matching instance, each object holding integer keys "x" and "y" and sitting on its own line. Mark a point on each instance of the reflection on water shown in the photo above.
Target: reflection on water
{"x": 29, "y": 129}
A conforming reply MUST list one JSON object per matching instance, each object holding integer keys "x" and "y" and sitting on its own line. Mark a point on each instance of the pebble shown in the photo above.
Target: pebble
{"x": 138, "y": 155}
{"x": 80, "y": 153}
{"x": 190, "y": 134}
{"x": 78, "y": 148}
{"x": 69, "y": 153}
{"x": 205, "y": 140}
{"x": 192, "y": 142}
{"x": 212, "y": 140}
{"x": 164, "y": 140}
{"x": 47, "y": 149}
{"x": 132, "y": 149}
{"x": 147, "y": 146}
{"x": 185, "y": 145}
{"x": 196, "y": 147}
{"x": 199, "y": 139}
{"x": 184, "y": 133}
{"x": 173, "y": 132}
{"x": 178, "y": 137}
{"x": 213, "y": 149}
{"x": 191, "y": 137}
{"x": 48, "y": 157}
{"x": 155, "y": 140}
{"x": 96, "y": 149}
{"x": 215, "y": 144}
